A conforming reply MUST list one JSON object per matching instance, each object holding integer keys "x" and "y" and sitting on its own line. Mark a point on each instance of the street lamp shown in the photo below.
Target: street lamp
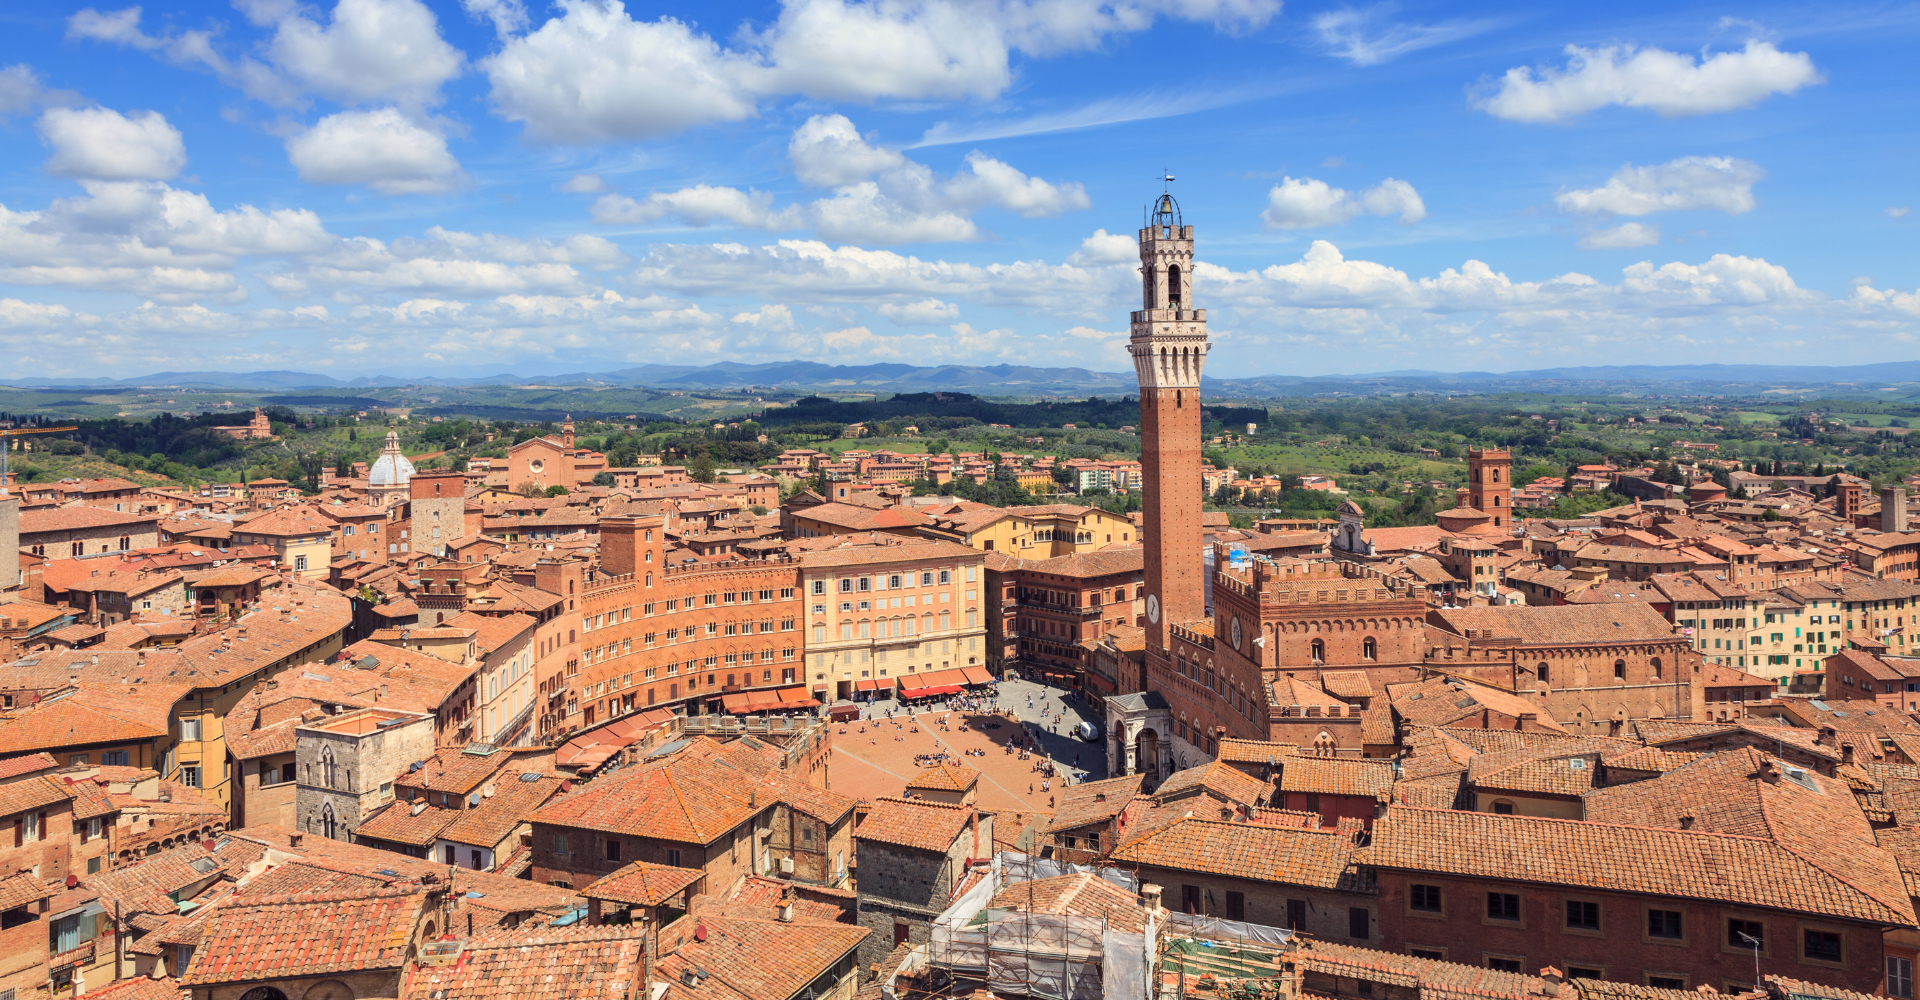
{"x": 1753, "y": 942}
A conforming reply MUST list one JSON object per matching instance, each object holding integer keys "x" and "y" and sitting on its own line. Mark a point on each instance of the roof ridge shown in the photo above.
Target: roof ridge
{"x": 1766, "y": 816}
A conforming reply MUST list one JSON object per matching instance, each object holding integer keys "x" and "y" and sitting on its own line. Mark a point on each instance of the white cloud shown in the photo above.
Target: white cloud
{"x": 988, "y": 181}
{"x": 827, "y": 151}
{"x": 926, "y": 312}
{"x": 381, "y": 149}
{"x": 584, "y": 184}
{"x": 1305, "y": 203}
{"x": 595, "y": 74}
{"x": 103, "y": 143}
{"x": 1690, "y": 183}
{"x": 1627, "y": 234}
{"x": 1671, "y": 84}
{"x": 1370, "y": 37}
{"x": 508, "y": 17}
{"x": 372, "y": 50}
{"x": 19, "y": 89}
{"x": 1899, "y": 212}
{"x": 450, "y": 263}
{"x": 1106, "y": 248}
{"x": 18, "y": 315}
{"x": 879, "y": 195}
{"x": 867, "y": 213}
{"x": 768, "y": 317}
{"x": 700, "y": 205}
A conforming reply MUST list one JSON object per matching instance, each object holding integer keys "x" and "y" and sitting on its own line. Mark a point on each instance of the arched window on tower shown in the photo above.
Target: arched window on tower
{"x": 1369, "y": 650}
{"x": 1319, "y": 650}
{"x": 1173, "y": 286}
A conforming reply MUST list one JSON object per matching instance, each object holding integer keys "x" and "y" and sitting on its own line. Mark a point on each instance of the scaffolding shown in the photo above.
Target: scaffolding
{"x": 1209, "y": 956}
{"x": 1045, "y": 955}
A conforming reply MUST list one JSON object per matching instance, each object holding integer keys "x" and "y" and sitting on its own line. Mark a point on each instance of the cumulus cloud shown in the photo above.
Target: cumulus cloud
{"x": 1672, "y": 84}
{"x": 18, "y": 315}
{"x": 368, "y": 51}
{"x": 1627, "y": 234}
{"x": 450, "y": 263}
{"x": 1306, "y": 203}
{"x": 1897, "y": 212}
{"x": 1371, "y": 36}
{"x": 700, "y": 205}
{"x": 594, "y": 73}
{"x": 1690, "y": 183}
{"x": 827, "y": 151}
{"x": 103, "y": 143}
{"x": 382, "y": 149}
{"x": 20, "y": 89}
{"x": 584, "y": 184}
{"x": 769, "y": 317}
{"x": 879, "y": 195}
{"x": 926, "y": 312}
{"x": 987, "y": 181}
{"x": 507, "y": 16}
{"x": 1105, "y": 248}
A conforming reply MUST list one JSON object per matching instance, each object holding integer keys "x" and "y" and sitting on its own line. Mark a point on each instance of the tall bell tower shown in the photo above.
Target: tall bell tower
{"x": 1169, "y": 347}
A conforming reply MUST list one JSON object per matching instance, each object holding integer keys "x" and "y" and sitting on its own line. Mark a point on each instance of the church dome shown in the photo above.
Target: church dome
{"x": 391, "y": 468}
{"x": 1349, "y": 507}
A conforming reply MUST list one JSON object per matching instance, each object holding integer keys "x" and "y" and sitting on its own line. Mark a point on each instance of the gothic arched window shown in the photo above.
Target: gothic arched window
{"x": 1173, "y": 285}
{"x": 1319, "y": 650}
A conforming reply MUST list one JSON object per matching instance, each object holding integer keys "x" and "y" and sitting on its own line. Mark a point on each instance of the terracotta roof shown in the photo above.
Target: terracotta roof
{"x": 1092, "y": 802}
{"x": 1566, "y": 624}
{"x": 1215, "y": 778}
{"x": 22, "y": 888}
{"x": 1433, "y": 980}
{"x": 516, "y": 795}
{"x": 1529, "y": 771}
{"x": 944, "y": 777}
{"x": 1077, "y": 895}
{"x": 1337, "y": 776}
{"x": 844, "y": 515}
{"x": 644, "y": 884}
{"x": 916, "y": 823}
{"x": 1747, "y": 871}
{"x": 69, "y": 722}
{"x": 29, "y": 793}
{"x": 14, "y": 767}
{"x": 287, "y": 522}
{"x": 1254, "y": 751}
{"x": 276, "y": 937}
{"x": 1443, "y": 700}
{"x": 1347, "y": 683}
{"x": 1262, "y": 852}
{"x": 36, "y": 520}
{"x": 399, "y": 823}
{"x": 761, "y": 959}
{"x": 575, "y": 963}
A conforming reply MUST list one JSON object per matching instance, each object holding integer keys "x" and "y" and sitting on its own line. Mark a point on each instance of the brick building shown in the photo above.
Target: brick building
{"x": 70, "y": 532}
{"x": 1049, "y": 614}
{"x": 1629, "y": 903}
{"x": 730, "y": 810}
{"x": 913, "y": 855}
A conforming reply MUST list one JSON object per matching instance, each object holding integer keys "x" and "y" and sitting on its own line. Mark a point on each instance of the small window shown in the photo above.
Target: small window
{"x": 1503, "y": 906}
{"x": 1425, "y": 898}
{"x": 1584, "y": 972}
{"x": 1823, "y": 946}
{"x": 1503, "y": 964}
{"x": 1359, "y": 925}
{"x": 1664, "y": 924}
{"x": 613, "y": 849}
{"x": 1582, "y": 915}
{"x": 1748, "y": 935}
{"x": 1899, "y": 978}
{"x": 1666, "y": 982}
{"x": 673, "y": 857}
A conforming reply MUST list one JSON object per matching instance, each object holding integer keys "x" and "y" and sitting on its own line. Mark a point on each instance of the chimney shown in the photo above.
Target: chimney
{"x": 1846, "y": 753}
{"x": 1552, "y": 981}
{"x": 1686, "y": 822}
{"x": 1828, "y": 737}
{"x": 293, "y": 840}
{"x": 1150, "y": 895}
{"x": 1770, "y": 772}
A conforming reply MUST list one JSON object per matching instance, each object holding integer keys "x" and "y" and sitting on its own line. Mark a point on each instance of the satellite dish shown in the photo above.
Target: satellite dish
{"x": 488, "y": 790}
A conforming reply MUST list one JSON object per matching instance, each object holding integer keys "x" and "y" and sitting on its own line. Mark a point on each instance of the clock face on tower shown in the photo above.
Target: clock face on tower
{"x": 1153, "y": 608}
{"x": 1236, "y": 633}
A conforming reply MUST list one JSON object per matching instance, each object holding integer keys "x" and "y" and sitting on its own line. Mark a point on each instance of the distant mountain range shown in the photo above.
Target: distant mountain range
{"x": 1020, "y": 380}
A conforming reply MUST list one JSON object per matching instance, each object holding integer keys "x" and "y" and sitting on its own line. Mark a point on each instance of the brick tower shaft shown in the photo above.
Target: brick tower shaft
{"x": 1169, "y": 348}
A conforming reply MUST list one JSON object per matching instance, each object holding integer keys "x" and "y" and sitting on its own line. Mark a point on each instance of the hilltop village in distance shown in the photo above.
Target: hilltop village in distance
{"x": 938, "y": 695}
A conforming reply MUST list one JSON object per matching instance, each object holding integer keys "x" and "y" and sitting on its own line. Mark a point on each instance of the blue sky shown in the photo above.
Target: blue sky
{"x": 492, "y": 185}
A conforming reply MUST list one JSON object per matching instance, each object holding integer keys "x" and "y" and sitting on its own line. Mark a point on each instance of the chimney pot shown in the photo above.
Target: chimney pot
{"x": 1686, "y": 822}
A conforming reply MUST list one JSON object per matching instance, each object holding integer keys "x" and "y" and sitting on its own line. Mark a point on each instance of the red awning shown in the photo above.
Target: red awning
{"x": 736, "y": 704}
{"x": 930, "y": 692}
{"x": 763, "y": 700}
{"x": 976, "y": 675}
{"x": 795, "y": 695}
